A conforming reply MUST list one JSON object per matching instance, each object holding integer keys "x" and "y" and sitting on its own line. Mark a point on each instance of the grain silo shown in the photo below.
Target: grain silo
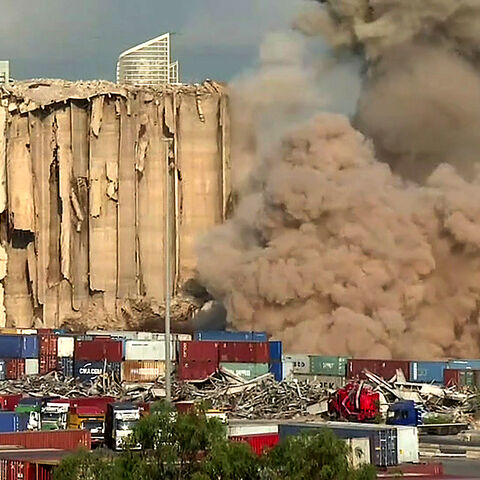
{"x": 83, "y": 179}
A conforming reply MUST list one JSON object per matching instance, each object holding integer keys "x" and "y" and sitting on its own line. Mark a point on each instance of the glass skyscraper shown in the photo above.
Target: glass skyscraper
{"x": 148, "y": 64}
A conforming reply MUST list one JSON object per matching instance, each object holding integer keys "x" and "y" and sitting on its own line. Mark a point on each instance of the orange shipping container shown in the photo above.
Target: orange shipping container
{"x": 142, "y": 370}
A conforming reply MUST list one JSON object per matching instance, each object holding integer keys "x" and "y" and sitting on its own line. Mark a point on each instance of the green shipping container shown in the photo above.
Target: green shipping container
{"x": 334, "y": 366}
{"x": 248, "y": 371}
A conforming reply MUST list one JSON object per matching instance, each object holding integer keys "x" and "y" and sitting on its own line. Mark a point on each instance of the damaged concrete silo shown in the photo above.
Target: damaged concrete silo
{"x": 83, "y": 181}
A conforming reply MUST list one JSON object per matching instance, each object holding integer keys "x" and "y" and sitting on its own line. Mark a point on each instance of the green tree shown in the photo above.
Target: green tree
{"x": 194, "y": 447}
{"x": 319, "y": 456}
{"x": 84, "y": 465}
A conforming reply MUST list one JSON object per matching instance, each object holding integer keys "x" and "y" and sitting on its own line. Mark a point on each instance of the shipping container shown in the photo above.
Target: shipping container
{"x": 31, "y": 366}
{"x": 241, "y": 428}
{"x": 276, "y": 350}
{"x": 407, "y": 444}
{"x": 196, "y": 370}
{"x": 60, "y": 439}
{"x": 99, "y": 349}
{"x": 47, "y": 364}
{"x": 148, "y": 350}
{"x": 224, "y": 336}
{"x": 245, "y": 352}
{"x": 47, "y": 344}
{"x": 383, "y": 439}
{"x": 65, "y": 346}
{"x": 327, "y": 382}
{"x": 359, "y": 451}
{"x": 9, "y": 402}
{"x": 258, "y": 443}
{"x": 296, "y": 364}
{"x": 142, "y": 370}
{"x": 248, "y": 371}
{"x": 328, "y": 365}
{"x": 199, "y": 352}
{"x": 427, "y": 372}
{"x": 65, "y": 366}
{"x": 30, "y": 346}
{"x": 386, "y": 369}
{"x": 276, "y": 369}
{"x": 15, "y": 368}
{"x": 11, "y": 346}
{"x": 86, "y": 370}
{"x": 3, "y": 369}
{"x": 463, "y": 364}
{"x": 10, "y": 422}
{"x": 461, "y": 378}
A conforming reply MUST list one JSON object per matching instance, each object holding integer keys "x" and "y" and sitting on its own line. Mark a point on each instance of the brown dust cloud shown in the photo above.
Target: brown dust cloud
{"x": 358, "y": 236}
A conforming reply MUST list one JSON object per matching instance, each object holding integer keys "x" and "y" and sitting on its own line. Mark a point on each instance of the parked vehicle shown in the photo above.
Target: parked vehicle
{"x": 405, "y": 413}
{"x": 120, "y": 421}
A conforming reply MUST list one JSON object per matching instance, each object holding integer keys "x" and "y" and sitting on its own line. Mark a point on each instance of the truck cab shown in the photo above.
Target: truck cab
{"x": 53, "y": 415}
{"x": 120, "y": 421}
{"x": 404, "y": 413}
{"x": 32, "y": 408}
{"x": 88, "y": 418}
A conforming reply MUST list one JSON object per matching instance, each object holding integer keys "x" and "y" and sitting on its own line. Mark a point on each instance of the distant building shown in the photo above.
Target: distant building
{"x": 4, "y": 71}
{"x": 148, "y": 64}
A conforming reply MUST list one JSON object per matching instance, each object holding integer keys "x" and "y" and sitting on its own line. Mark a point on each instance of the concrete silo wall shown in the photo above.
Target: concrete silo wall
{"x": 83, "y": 179}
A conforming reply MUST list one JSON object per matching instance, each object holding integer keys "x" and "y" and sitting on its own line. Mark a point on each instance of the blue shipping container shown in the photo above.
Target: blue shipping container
{"x": 66, "y": 366}
{"x": 383, "y": 440}
{"x": 276, "y": 350}
{"x": 277, "y": 369}
{"x": 11, "y": 346}
{"x": 427, "y": 372}
{"x": 223, "y": 336}
{"x": 29, "y": 346}
{"x": 464, "y": 365}
{"x": 10, "y": 422}
{"x": 88, "y": 370}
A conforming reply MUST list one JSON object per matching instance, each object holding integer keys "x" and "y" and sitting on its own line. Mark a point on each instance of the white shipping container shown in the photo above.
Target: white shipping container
{"x": 254, "y": 428}
{"x": 65, "y": 346}
{"x": 407, "y": 444}
{"x": 31, "y": 366}
{"x": 325, "y": 381}
{"x": 296, "y": 364}
{"x": 147, "y": 350}
{"x": 359, "y": 451}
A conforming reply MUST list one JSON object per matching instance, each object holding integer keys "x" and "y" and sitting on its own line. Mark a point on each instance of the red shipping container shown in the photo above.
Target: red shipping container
{"x": 9, "y": 402}
{"x": 98, "y": 402}
{"x": 383, "y": 368}
{"x": 199, "y": 352}
{"x": 99, "y": 349}
{"x": 47, "y": 364}
{"x": 236, "y": 352}
{"x": 262, "y": 352}
{"x": 196, "y": 370}
{"x": 59, "y": 439}
{"x": 15, "y": 368}
{"x": 451, "y": 377}
{"x": 48, "y": 344}
{"x": 259, "y": 443}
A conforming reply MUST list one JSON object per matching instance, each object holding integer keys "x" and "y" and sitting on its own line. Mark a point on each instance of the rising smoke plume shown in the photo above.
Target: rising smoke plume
{"x": 332, "y": 250}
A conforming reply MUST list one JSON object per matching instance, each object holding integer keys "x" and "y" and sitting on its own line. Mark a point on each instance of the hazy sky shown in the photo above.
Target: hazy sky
{"x": 81, "y": 39}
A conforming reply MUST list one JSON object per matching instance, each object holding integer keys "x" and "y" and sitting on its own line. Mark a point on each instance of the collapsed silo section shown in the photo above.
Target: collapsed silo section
{"x": 90, "y": 173}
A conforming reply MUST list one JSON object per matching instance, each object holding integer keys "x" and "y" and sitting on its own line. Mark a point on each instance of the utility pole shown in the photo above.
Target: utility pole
{"x": 168, "y": 364}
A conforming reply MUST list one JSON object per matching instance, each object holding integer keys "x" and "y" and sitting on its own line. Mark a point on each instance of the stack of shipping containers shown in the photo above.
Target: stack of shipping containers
{"x": 246, "y": 354}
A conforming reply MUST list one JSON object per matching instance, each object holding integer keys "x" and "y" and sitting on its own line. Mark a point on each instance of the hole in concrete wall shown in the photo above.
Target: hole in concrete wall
{"x": 21, "y": 238}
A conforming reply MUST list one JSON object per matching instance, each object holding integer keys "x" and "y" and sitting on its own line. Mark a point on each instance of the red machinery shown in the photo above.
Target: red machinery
{"x": 355, "y": 402}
